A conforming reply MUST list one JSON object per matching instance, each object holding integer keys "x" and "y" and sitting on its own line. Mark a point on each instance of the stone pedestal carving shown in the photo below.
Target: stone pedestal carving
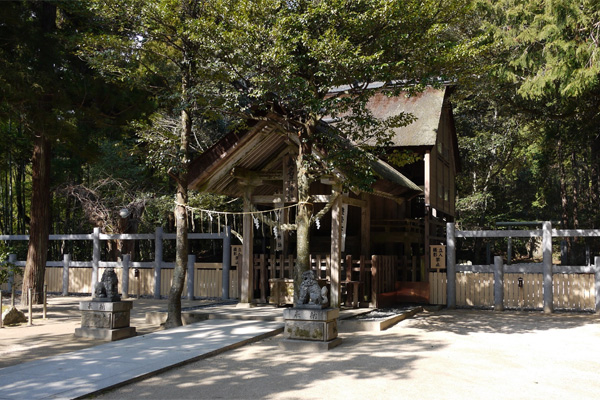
{"x": 313, "y": 329}
{"x": 309, "y": 325}
{"x": 106, "y": 317}
{"x": 105, "y": 320}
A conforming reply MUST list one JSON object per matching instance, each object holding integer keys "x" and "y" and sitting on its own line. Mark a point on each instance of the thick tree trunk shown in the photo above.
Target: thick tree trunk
{"x": 37, "y": 251}
{"x": 304, "y": 211}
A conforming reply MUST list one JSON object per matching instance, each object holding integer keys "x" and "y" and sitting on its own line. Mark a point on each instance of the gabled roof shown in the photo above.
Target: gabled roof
{"x": 425, "y": 106}
{"x": 258, "y": 148}
{"x": 262, "y": 147}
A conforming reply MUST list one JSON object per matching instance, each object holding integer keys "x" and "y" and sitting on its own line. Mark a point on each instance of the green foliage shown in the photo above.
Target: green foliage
{"x": 400, "y": 158}
{"x": 528, "y": 120}
{"x": 552, "y": 45}
{"x": 287, "y": 57}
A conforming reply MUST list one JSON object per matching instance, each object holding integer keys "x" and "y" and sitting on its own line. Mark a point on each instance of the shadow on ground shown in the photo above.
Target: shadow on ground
{"x": 464, "y": 322}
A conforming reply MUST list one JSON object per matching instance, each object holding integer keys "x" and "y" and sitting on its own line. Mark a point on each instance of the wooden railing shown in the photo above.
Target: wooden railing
{"x": 521, "y": 285}
{"x": 570, "y": 291}
{"x": 207, "y": 281}
{"x": 367, "y": 277}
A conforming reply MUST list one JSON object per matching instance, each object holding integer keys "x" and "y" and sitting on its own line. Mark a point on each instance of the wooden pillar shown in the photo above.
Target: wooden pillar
{"x": 65, "y": 277}
{"x": 336, "y": 253}
{"x": 226, "y": 263}
{"x": 597, "y": 282}
{"x": 547, "y": 266}
{"x": 451, "y": 265}
{"x": 374, "y": 280}
{"x": 246, "y": 294}
{"x": 427, "y": 243}
{"x": 95, "y": 257}
{"x": 498, "y": 284}
{"x": 365, "y": 226}
{"x": 427, "y": 183}
{"x": 126, "y": 259}
{"x": 158, "y": 259}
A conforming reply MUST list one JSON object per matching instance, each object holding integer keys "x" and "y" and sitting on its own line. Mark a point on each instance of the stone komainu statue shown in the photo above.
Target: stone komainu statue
{"x": 310, "y": 291}
{"x": 108, "y": 287}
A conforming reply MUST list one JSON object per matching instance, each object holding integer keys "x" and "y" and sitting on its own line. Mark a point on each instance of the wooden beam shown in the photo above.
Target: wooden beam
{"x": 255, "y": 178}
{"x": 320, "y": 198}
{"x": 399, "y": 200}
{"x": 354, "y": 202}
{"x": 267, "y": 199}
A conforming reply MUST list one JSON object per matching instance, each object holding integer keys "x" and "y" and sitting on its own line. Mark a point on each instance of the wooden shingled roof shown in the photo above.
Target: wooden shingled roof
{"x": 262, "y": 147}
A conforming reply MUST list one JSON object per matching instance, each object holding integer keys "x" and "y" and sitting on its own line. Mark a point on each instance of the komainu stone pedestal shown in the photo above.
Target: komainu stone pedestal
{"x": 105, "y": 320}
{"x": 310, "y": 329}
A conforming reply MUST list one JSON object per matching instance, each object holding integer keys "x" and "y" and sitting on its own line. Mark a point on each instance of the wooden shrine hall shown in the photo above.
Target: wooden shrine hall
{"x": 371, "y": 247}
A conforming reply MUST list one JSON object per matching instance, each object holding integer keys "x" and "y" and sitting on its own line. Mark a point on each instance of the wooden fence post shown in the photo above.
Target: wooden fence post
{"x": 12, "y": 258}
{"x": 158, "y": 257}
{"x": 65, "y": 276}
{"x": 451, "y": 264}
{"x": 498, "y": 284}
{"x": 125, "y": 276}
{"x": 597, "y": 282}
{"x": 95, "y": 257}
{"x": 227, "y": 263}
{"x": 547, "y": 265}
{"x": 190, "y": 276}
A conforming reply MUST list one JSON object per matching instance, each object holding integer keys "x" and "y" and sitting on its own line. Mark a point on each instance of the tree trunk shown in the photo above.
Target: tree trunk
{"x": 37, "y": 251}
{"x": 564, "y": 200}
{"x": 575, "y": 193}
{"x": 595, "y": 179}
{"x": 304, "y": 211}
{"x": 181, "y": 221}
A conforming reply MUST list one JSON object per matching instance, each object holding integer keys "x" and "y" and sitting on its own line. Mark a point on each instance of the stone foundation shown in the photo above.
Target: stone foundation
{"x": 310, "y": 329}
{"x": 105, "y": 320}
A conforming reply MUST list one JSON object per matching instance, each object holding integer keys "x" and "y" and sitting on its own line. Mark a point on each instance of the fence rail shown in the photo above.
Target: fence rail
{"x": 207, "y": 278}
{"x": 157, "y": 273}
{"x": 534, "y": 285}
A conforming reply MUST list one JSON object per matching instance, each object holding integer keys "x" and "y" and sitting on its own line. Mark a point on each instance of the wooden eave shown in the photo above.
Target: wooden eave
{"x": 254, "y": 157}
{"x": 257, "y": 149}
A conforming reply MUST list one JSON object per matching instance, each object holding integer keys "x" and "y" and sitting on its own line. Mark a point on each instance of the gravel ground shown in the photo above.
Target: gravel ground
{"x": 449, "y": 354}
{"x": 455, "y": 354}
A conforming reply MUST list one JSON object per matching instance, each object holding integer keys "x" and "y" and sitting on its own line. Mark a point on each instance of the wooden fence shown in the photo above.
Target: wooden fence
{"x": 153, "y": 277}
{"x": 207, "y": 278}
{"x": 570, "y": 291}
{"x": 528, "y": 286}
{"x": 371, "y": 276}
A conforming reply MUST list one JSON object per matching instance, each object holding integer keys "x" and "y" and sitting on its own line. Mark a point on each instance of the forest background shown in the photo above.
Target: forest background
{"x": 526, "y": 105}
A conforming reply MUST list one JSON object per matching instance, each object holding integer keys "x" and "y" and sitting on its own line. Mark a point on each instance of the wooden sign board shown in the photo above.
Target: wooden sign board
{"x": 438, "y": 256}
{"x": 236, "y": 250}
